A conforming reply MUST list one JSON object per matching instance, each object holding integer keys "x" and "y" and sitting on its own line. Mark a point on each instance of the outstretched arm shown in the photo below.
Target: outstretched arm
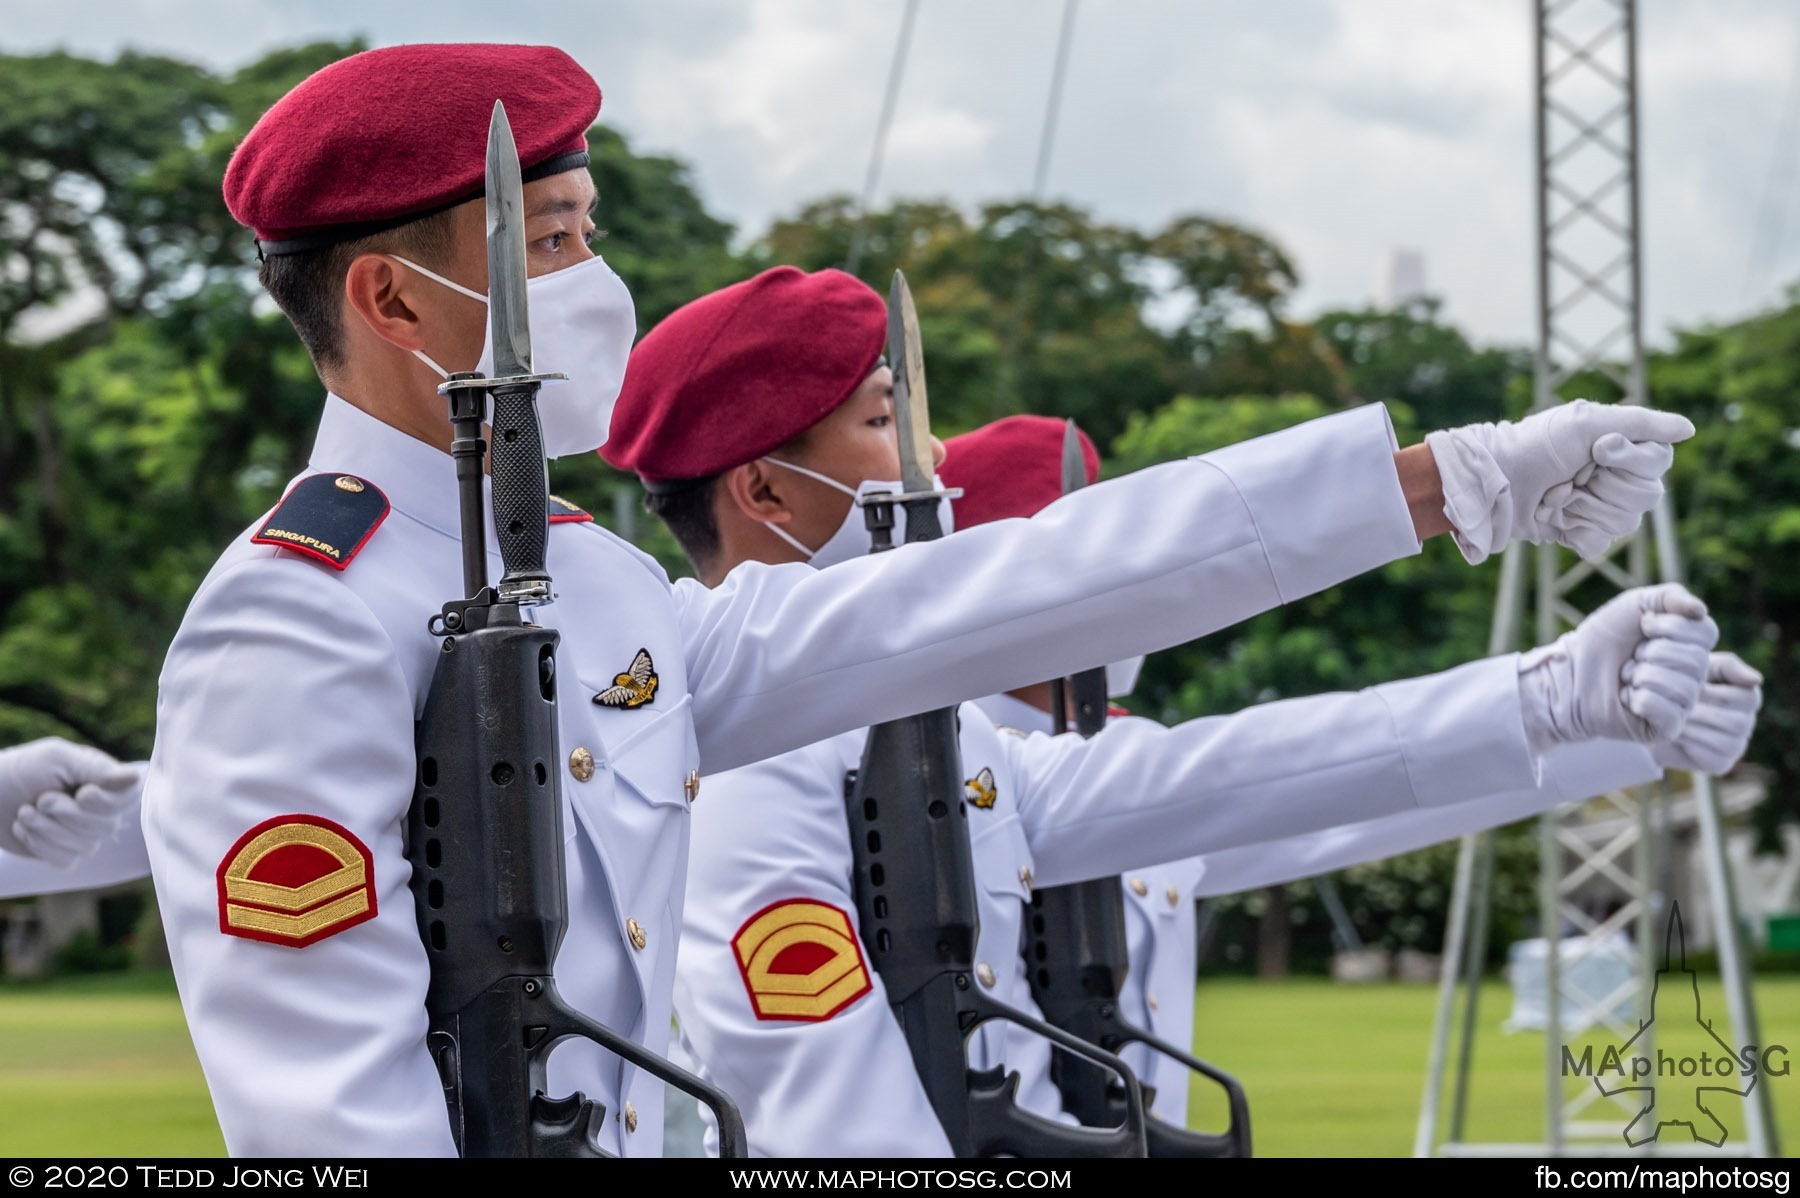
{"x": 1711, "y": 740}
{"x": 1139, "y": 793}
{"x": 779, "y": 656}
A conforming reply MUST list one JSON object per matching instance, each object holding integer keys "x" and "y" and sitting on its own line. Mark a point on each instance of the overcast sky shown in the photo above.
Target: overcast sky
{"x": 1343, "y": 128}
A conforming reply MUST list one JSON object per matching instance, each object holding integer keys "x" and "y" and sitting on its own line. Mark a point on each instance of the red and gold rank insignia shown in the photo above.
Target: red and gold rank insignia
{"x": 980, "y": 790}
{"x": 801, "y": 961}
{"x": 295, "y": 880}
{"x": 561, "y": 511}
{"x": 635, "y": 687}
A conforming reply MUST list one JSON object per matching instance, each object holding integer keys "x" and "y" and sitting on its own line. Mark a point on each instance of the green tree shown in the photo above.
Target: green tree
{"x": 1233, "y": 286}
{"x": 1022, "y": 307}
{"x": 1736, "y": 488}
{"x": 152, "y": 402}
{"x": 146, "y": 411}
{"x": 1410, "y": 355}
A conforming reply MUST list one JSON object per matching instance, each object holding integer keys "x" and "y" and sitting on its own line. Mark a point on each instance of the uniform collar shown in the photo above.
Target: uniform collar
{"x": 417, "y": 478}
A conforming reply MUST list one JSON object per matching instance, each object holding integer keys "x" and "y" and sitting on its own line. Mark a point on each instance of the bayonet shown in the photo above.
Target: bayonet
{"x": 919, "y": 493}
{"x": 912, "y": 416}
{"x": 1074, "y": 465}
{"x": 507, "y": 311}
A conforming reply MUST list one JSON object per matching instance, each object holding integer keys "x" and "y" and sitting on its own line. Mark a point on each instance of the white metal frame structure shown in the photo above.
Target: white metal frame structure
{"x": 1592, "y": 890}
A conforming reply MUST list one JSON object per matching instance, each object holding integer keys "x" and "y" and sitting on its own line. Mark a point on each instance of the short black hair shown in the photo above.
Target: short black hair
{"x": 308, "y": 286}
{"x": 687, "y": 512}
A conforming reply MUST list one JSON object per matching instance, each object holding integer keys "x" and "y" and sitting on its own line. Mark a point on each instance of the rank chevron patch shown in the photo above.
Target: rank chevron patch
{"x": 635, "y": 687}
{"x": 980, "y": 790}
{"x": 295, "y": 880}
{"x": 801, "y": 961}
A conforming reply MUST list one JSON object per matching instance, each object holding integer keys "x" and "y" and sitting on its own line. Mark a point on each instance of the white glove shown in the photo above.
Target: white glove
{"x": 1581, "y": 474}
{"x": 1718, "y": 729}
{"x": 61, "y": 829}
{"x": 59, "y": 800}
{"x": 1632, "y": 670}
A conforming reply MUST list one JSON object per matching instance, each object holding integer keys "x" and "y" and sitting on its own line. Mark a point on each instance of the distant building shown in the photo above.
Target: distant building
{"x": 1400, "y": 279}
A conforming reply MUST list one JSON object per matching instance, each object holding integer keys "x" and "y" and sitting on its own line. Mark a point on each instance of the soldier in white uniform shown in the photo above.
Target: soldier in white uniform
{"x": 1012, "y": 469}
{"x": 750, "y": 435}
{"x": 284, "y": 764}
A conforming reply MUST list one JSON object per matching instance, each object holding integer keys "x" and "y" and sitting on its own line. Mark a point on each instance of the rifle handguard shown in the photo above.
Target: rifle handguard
{"x": 1077, "y": 958}
{"x": 485, "y": 834}
{"x": 918, "y": 916}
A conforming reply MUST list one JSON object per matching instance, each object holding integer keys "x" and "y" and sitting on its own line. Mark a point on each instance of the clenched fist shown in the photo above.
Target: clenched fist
{"x": 1581, "y": 474}
{"x": 1633, "y": 670}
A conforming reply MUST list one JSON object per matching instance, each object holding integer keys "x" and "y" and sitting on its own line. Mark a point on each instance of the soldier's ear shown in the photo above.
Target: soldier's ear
{"x": 759, "y": 491}
{"x": 380, "y": 294}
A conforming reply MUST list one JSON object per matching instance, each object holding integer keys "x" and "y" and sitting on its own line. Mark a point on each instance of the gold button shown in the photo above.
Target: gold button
{"x": 581, "y": 764}
{"x": 635, "y": 930}
{"x": 1025, "y": 876}
{"x": 630, "y": 1117}
{"x": 1173, "y": 895}
{"x": 346, "y": 483}
{"x": 1138, "y": 888}
{"x": 692, "y": 785}
{"x": 1153, "y": 1002}
{"x": 985, "y": 972}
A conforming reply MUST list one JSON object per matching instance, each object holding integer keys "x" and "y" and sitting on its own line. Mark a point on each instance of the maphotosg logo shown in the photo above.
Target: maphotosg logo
{"x": 1682, "y": 1072}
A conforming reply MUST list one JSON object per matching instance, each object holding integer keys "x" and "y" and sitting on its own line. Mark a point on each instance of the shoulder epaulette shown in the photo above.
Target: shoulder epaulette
{"x": 564, "y": 512}
{"x": 327, "y": 517}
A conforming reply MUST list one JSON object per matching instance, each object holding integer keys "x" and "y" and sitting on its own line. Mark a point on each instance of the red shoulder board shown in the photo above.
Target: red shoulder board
{"x": 295, "y": 880}
{"x": 327, "y": 517}
{"x": 1114, "y": 711}
{"x": 564, "y": 512}
{"x": 801, "y": 961}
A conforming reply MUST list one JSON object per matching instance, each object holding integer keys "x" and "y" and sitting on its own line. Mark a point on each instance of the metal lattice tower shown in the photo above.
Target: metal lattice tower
{"x": 1601, "y": 868}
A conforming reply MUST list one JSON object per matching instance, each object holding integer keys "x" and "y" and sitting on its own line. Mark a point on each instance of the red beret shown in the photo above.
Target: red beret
{"x": 388, "y": 136}
{"x": 1012, "y": 467}
{"x": 727, "y": 378}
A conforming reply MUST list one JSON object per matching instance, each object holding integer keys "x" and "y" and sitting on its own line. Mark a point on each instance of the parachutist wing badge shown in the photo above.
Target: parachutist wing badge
{"x": 635, "y": 687}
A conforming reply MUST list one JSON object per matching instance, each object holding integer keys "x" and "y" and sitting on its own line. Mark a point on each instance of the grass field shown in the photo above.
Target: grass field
{"x": 1339, "y": 1070}
{"x": 102, "y": 1066}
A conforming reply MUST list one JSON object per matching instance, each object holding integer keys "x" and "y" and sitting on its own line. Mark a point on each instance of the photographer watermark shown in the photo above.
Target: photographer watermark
{"x": 1676, "y": 1068}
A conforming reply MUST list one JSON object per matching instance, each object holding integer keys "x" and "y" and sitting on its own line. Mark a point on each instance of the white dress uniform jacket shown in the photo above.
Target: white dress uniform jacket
{"x": 774, "y": 993}
{"x": 287, "y": 706}
{"x": 1160, "y": 916}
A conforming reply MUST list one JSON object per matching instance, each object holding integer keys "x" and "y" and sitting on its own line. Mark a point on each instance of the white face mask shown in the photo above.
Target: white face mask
{"x": 582, "y": 325}
{"x": 853, "y": 539}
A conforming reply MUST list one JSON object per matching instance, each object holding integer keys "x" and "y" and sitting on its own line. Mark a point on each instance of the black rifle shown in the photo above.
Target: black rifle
{"x": 484, "y": 834}
{"x": 916, "y": 906}
{"x": 1076, "y": 956}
